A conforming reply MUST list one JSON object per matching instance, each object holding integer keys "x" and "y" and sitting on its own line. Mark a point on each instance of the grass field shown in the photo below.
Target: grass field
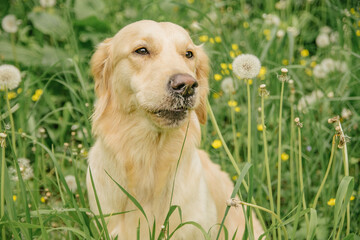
{"x": 304, "y": 176}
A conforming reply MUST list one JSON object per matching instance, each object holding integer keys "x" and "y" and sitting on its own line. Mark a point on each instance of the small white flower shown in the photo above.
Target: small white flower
{"x": 271, "y": 19}
{"x": 246, "y": 66}
{"x": 71, "y": 182}
{"x": 47, "y": 3}
{"x": 328, "y": 65}
{"x": 293, "y": 31}
{"x": 280, "y": 33}
{"x": 334, "y": 37}
{"x": 322, "y": 40}
{"x": 26, "y": 170}
{"x": 227, "y": 85}
{"x": 346, "y": 113}
{"x": 325, "y": 29}
{"x": 319, "y": 71}
{"x": 10, "y": 77}
{"x": 10, "y": 24}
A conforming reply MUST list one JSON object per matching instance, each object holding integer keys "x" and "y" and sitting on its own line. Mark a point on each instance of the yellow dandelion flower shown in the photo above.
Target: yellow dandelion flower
{"x": 250, "y": 81}
{"x": 284, "y": 156}
{"x": 223, "y": 66}
{"x": 352, "y": 197}
{"x": 262, "y": 73}
{"x": 217, "y": 77}
{"x": 216, "y": 144}
{"x": 42, "y": 199}
{"x": 352, "y": 11}
{"x": 234, "y": 178}
{"x": 313, "y": 64}
{"x": 238, "y": 134}
{"x": 19, "y": 90}
{"x": 302, "y": 62}
{"x": 358, "y": 33}
{"x": 11, "y": 95}
{"x": 14, "y": 198}
{"x": 308, "y": 72}
{"x": 211, "y": 40}
{"x": 35, "y": 98}
{"x": 304, "y": 53}
{"x": 331, "y": 202}
{"x": 267, "y": 32}
{"x": 203, "y": 38}
{"x": 226, "y": 72}
{"x": 230, "y": 66}
{"x": 232, "y": 103}
{"x": 218, "y": 39}
{"x": 285, "y": 62}
{"x": 245, "y": 24}
{"x": 237, "y": 109}
{"x": 234, "y": 46}
{"x": 39, "y": 92}
{"x": 216, "y": 95}
{"x": 232, "y": 54}
{"x": 260, "y": 127}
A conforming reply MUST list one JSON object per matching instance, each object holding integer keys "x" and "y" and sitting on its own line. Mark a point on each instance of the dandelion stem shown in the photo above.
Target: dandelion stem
{"x": 273, "y": 215}
{"x": 292, "y": 147}
{"x": 249, "y": 121}
{"x": 266, "y": 159}
{"x": 301, "y": 178}
{"x": 236, "y": 146}
{"x": 213, "y": 120}
{"x": 13, "y": 140}
{"x": 326, "y": 173}
{"x": 2, "y": 201}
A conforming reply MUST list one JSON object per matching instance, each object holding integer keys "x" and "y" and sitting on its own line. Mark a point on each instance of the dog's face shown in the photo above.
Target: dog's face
{"x": 154, "y": 68}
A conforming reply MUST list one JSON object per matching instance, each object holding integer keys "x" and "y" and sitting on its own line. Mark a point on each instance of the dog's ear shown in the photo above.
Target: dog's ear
{"x": 100, "y": 68}
{"x": 202, "y": 72}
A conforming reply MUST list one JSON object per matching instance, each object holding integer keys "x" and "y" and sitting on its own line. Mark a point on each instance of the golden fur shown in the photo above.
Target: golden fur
{"x": 140, "y": 149}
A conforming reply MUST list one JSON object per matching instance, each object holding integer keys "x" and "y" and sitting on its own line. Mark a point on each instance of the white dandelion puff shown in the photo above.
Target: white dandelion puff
{"x": 246, "y": 66}
{"x": 322, "y": 40}
{"x": 10, "y": 23}
{"x": 10, "y": 77}
{"x": 271, "y": 19}
{"x": 319, "y": 71}
{"x": 325, "y": 29}
{"x": 293, "y": 31}
{"x": 227, "y": 85}
{"x": 280, "y": 33}
{"x": 71, "y": 182}
{"x": 47, "y": 3}
{"x": 328, "y": 65}
{"x": 309, "y": 100}
{"x": 346, "y": 113}
{"x": 26, "y": 170}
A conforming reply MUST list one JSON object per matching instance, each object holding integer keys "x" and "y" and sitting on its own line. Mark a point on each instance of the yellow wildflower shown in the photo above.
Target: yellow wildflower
{"x": 262, "y": 73}
{"x": 234, "y": 46}
{"x": 11, "y": 95}
{"x": 260, "y": 127}
{"x": 267, "y": 32}
{"x": 37, "y": 95}
{"x": 19, "y": 90}
{"x": 302, "y": 62}
{"x": 226, "y": 72}
{"x": 42, "y": 199}
{"x": 211, "y": 40}
{"x": 234, "y": 178}
{"x": 284, "y": 156}
{"x": 245, "y": 24}
{"x": 313, "y": 64}
{"x": 237, "y": 109}
{"x": 223, "y": 66}
{"x": 250, "y": 81}
{"x": 285, "y": 62}
{"x": 232, "y": 54}
{"x": 238, "y": 134}
{"x": 217, "y": 77}
{"x": 190, "y": 1}
{"x": 14, "y": 198}
{"x": 232, "y": 103}
{"x": 216, "y": 95}
{"x": 216, "y": 144}
{"x": 203, "y": 38}
{"x": 218, "y": 39}
{"x": 352, "y": 197}
{"x": 331, "y": 202}
{"x": 358, "y": 33}
{"x": 308, "y": 72}
{"x": 304, "y": 53}
{"x": 352, "y": 11}
{"x": 39, "y": 92}
{"x": 230, "y": 66}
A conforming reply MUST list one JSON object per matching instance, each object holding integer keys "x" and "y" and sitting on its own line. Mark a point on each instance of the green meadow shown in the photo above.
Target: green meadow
{"x": 288, "y": 137}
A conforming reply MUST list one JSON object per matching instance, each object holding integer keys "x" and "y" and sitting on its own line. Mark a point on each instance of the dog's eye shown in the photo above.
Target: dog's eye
{"x": 142, "y": 51}
{"x": 189, "y": 54}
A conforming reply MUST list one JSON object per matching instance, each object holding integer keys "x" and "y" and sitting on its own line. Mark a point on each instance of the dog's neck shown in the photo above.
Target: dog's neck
{"x": 144, "y": 150}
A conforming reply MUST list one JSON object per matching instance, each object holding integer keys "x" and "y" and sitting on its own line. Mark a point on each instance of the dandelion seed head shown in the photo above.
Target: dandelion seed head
{"x": 227, "y": 85}
{"x": 26, "y": 170}
{"x": 10, "y": 23}
{"x": 346, "y": 113}
{"x": 322, "y": 40}
{"x": 319, "y": 71}
{"x": 47, "y": 3}
{"x": 246, "y": 66}
{"x": 71, "y": 182}
{"x": 10, "y": 77}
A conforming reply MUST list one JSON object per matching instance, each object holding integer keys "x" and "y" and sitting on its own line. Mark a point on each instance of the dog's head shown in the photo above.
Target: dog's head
{"x": 152, "y": 68}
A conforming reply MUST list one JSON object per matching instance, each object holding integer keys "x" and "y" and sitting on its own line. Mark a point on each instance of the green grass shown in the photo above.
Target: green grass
{"x": 51, "y": 128}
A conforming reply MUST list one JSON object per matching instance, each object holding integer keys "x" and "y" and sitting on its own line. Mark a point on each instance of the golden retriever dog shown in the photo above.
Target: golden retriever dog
{"x": 151, "y": 86}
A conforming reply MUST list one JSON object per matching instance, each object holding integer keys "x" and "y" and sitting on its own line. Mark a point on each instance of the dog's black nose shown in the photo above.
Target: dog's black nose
{"x": 183, "y": 84}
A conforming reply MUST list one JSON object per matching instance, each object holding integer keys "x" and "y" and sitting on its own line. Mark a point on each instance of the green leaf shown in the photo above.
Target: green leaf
{"x": 87, "y": 8}
{"x": 49, "y": 24}
{"x": 312, "y": 224}
{"x": 343, "y": 195}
